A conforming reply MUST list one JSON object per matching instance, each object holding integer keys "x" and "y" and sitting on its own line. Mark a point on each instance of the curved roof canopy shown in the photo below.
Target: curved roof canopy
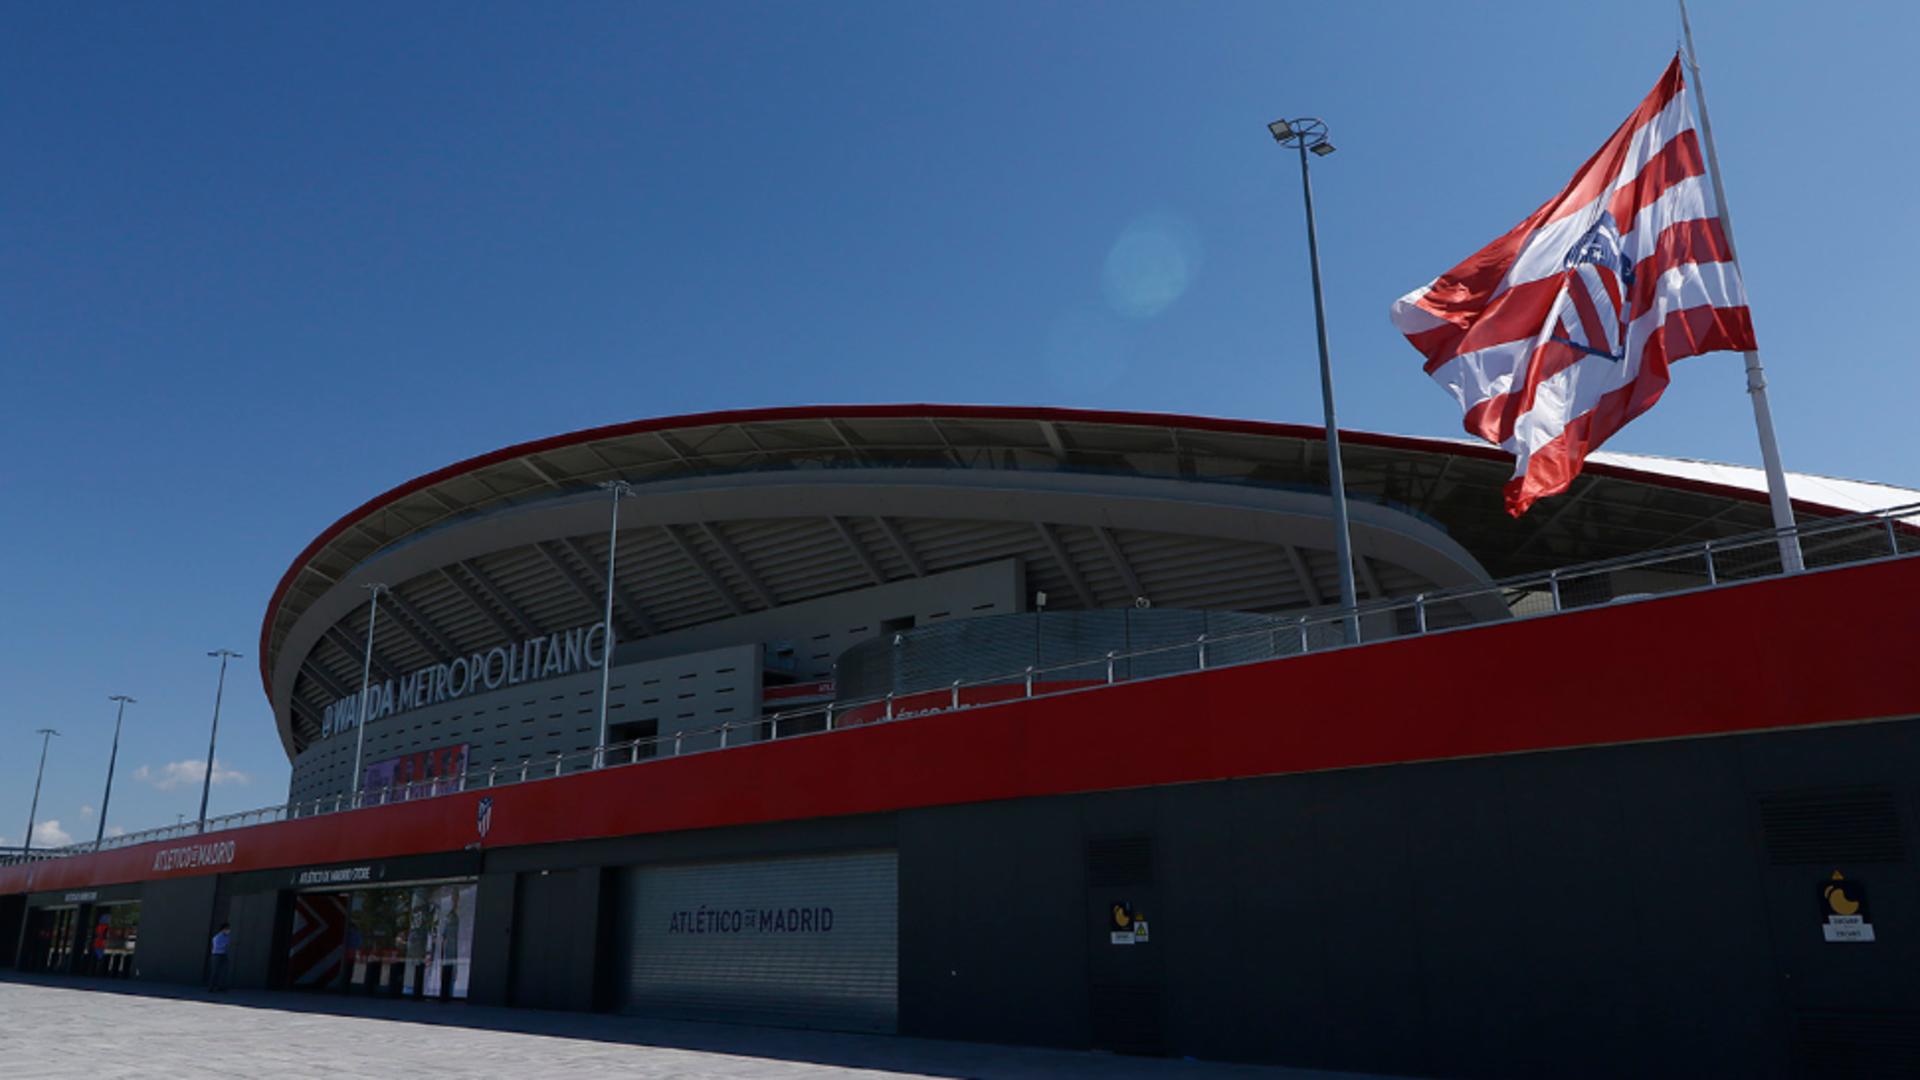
{"x": 1619, "y": 506}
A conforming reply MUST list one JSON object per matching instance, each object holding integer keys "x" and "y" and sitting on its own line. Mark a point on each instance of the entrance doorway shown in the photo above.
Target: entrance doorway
{"x": 113, "y": 933}
{"x": 50, "y": 939}
{"x": 410, "y": 940}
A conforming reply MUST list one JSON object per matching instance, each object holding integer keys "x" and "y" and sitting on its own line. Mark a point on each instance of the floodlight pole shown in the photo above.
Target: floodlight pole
{"x": 113, "y": 757}
{"x": 619, "y": 489}
{"x": 1777, "y": 498}
{"x": 366, "y": 680}
{"x": 219, "y": 689}
{"x": 1311, "y": 135}
{"x": 46, "y": 735}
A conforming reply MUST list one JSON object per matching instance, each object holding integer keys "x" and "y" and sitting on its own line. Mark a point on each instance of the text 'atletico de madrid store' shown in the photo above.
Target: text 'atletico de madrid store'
{"x": 1040, "y": 726}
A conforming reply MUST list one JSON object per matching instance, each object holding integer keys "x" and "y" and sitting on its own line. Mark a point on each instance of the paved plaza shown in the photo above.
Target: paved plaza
{"x": 79, "y": 1029}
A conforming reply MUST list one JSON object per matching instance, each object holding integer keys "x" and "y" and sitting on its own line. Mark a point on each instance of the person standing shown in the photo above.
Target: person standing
{"x": 217, "y": 977}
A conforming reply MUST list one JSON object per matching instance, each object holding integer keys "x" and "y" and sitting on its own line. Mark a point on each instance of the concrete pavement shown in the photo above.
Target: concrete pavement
{"x": 87, "y": 1029}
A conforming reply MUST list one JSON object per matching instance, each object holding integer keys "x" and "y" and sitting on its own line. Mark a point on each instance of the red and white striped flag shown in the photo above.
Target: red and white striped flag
{"x": 1555, "y": 335}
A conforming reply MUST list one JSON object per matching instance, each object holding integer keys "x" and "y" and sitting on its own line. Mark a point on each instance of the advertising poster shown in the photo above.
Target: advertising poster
{"x": 419, "y": 775}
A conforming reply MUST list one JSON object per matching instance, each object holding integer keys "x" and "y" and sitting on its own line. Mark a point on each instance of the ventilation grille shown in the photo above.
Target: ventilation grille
{"x": 1123, "y": 860}
{"x": 1126, "y": 1019}
{"x": 1859, "y": 825}
{"x": 1857, "y": 1044}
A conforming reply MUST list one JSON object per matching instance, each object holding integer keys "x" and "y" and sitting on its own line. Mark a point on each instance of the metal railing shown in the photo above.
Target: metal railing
{"x": 1836, "y": 542}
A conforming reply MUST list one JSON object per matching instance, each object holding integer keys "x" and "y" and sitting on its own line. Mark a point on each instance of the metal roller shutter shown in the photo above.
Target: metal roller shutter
{"x": 805, "y": 942}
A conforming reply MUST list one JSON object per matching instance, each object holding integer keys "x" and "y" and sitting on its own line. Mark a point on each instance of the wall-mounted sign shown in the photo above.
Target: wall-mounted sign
{"x": 338, "y": 875}
{"x": 80, "y": 897}
{"x": 189, "y": 856}
{"x": 1844, "y": 904}
{"x": 1125, "y": 926}
{"x": 582, "y": 648}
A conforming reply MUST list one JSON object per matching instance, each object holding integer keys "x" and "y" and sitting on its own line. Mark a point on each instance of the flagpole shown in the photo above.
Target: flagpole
{"x": 1782, "y": 505}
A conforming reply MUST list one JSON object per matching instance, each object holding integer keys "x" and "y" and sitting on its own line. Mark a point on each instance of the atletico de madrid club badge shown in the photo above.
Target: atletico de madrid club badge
{"x": 483, "y": 817}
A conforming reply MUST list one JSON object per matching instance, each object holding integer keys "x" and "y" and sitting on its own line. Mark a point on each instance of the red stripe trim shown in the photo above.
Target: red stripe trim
{"x": 1493, "y": 418}
{"x": 1515, "y": 315}
{"x": 1677, "y": 161}
{"x": 1603, "y": 168}
{"x": 1830, "y": 622}
{"x": 1701, "y": 240}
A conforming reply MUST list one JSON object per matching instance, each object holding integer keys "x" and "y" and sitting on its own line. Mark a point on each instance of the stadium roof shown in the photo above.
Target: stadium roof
{"x": 1623, "y": 504}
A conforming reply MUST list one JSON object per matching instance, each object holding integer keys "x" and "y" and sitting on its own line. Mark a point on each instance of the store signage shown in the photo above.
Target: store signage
{"x": 188, "y": 856}
{"x": 582, "y": 648}
{"x": 80, "y": 897}
{"x": 339, "y": 875}
{"x": 792, "y": 920}
{"x": 1844, "y": 903}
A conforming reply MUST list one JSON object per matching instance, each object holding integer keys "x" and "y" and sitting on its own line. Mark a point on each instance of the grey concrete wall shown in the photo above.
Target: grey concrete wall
{"x": 689, "y": 679}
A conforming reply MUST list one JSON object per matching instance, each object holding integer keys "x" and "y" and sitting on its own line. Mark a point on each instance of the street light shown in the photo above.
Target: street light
{"x": 366, "y": 677}
{"x": 119, "y": 715}
{"x": 46, "y": 735}
{"x": 1309, "y": 135}
{"x": 219, "y": 689}
{"x": 619, "y": 489}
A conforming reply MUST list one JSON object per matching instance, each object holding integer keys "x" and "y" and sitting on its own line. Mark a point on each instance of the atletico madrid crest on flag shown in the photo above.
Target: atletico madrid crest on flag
{"x": 1557, "y": 334}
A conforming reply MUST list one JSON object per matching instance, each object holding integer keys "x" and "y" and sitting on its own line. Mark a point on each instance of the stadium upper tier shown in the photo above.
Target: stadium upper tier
{"x": 738, "y": 513}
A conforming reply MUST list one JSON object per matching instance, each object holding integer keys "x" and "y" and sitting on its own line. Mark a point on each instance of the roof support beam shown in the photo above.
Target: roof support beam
{"x": 1119, "y": 559}
{"x": 1052, "y": 434}
{"x": 899, "y": 542}
{"x": 1059, "y": 552}
{"x": 1365, "y": 568}
{"x": 640, "y": 623}
{"x": 859, "y": 550}
{"x": 700, "y": 564}
{"x": 535, "y": 468}
{"x": 739, "y": 564}
{"x": 1567, "y": 503}
{"x": 357, "y": 650}
{"x": 499, "y": 596}
{"x": 472, "y": 596}
{"x": 1314, "y": 599}
{"x": 312, "y": 670}
{"x": 414, "y": 622}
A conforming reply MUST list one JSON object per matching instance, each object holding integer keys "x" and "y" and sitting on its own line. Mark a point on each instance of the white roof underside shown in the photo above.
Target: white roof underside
{"x": 1858, "y": 496}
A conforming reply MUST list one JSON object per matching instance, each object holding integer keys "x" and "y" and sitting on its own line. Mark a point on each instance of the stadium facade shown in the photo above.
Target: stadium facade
{"x": 1041, "y": 725}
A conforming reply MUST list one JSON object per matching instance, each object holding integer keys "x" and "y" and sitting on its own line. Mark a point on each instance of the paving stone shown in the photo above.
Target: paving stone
{"x": 81, "y": 1029}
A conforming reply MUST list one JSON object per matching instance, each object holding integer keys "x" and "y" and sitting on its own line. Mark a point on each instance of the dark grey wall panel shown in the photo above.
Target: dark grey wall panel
{"x": 252, "y": 946}
{"x": 1578, "y": 913}
{"x": 176, "y": 929}
{"x": 490, "y": 981}
{"x": 554, "y": 947}
{"x": 991, "y": 942}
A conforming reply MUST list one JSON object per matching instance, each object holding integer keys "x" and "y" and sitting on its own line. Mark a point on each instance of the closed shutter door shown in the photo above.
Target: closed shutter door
{"x": 804, "y": 942}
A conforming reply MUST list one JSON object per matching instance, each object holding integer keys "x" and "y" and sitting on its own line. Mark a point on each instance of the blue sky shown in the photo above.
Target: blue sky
{"x": 261, "y": 262}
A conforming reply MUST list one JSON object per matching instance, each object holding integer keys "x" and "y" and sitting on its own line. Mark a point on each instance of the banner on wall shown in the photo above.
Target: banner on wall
{"x": 419, "y": 775}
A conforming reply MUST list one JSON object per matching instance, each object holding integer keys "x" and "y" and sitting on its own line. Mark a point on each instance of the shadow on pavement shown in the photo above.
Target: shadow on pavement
{"x": 886, "y": 1053}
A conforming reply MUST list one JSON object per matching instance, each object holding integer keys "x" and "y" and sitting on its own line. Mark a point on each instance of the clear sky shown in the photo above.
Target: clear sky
{"x": 259, "y": 262}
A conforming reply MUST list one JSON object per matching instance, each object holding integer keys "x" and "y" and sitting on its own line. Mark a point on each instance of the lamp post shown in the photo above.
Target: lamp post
{"x": 46, "y": 736}
{"x": 219, "y": 689}
{"x": 619, "y": 489}
{"x": 366, "y": 678}
{"x": 113, "y": 757}
{"x": 1309, "y": 135}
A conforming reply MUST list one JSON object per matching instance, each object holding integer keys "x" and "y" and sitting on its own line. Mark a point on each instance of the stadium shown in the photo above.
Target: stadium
{"x": 1046, "y": 726}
